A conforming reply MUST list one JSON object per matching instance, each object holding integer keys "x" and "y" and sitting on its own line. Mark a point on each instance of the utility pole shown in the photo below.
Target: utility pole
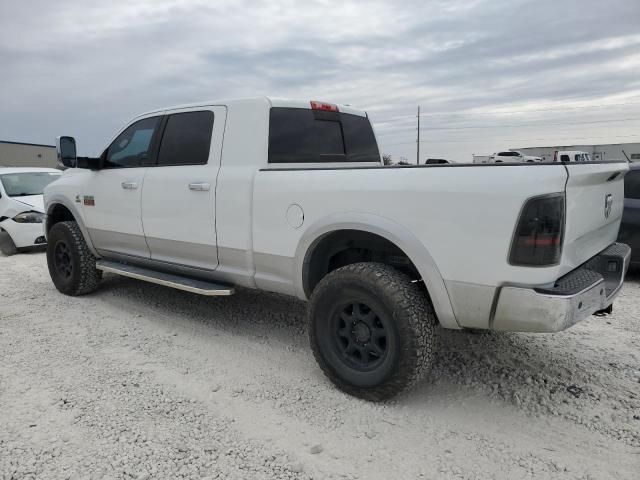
{"x": 418, "y": 140}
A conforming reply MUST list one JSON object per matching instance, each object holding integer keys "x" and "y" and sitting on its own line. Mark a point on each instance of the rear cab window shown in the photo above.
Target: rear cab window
{"x": 300, "y": 135}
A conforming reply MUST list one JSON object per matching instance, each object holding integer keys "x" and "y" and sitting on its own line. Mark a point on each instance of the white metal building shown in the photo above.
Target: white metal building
{"x": 18, "y": 154}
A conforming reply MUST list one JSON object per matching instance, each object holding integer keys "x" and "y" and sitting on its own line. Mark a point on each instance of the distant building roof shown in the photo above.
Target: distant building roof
{"x": 30, "y": 144}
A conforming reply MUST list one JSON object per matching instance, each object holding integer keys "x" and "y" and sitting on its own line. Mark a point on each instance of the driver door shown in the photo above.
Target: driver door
{"x": 112, "y": 199}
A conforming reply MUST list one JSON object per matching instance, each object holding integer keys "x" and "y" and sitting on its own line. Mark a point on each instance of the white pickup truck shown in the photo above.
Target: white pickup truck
{"x": 292, "y": 197}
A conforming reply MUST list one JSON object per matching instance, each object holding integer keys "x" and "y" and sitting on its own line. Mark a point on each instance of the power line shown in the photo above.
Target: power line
{"x": 498, "y": 112}
{"x": 507, "y": 140}
{"x": 564, "y": 124}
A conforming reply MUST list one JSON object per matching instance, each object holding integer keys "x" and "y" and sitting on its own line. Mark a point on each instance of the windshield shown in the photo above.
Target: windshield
{"x": 30, "y": 183}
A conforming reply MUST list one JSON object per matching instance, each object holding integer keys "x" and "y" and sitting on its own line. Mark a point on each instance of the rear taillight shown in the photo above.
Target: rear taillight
{"x": 327, "y": 107}
{"x": 538, "y": 238}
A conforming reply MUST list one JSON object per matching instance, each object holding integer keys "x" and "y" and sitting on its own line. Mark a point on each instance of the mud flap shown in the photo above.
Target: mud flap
{"x": 605, "y": 311}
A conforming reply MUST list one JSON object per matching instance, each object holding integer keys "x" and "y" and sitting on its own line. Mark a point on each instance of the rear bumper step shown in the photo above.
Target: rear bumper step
{"x": 587, "y": 290}
{"x": 192, "y": 285}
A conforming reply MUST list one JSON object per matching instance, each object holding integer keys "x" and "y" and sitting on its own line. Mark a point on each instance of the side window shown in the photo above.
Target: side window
{"x": 632, "y": 185}
{"x": 186, "y": 139}
{"x": 132, "y": 147}
{"x": 565, "y": 158}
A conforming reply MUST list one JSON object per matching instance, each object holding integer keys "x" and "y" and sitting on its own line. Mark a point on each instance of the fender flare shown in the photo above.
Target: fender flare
{"x": 391, "y": 231}
{"x": 60, "y": 200}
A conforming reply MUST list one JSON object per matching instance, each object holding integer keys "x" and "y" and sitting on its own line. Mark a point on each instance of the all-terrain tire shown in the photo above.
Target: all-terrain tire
{"x": 7, "y": 247}
{"x": 401, "y": 308}
{"x": 71, "y": 264}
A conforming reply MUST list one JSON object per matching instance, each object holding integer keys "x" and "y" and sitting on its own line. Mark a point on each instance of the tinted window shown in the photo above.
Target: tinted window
{"x": 132, "y": 147}
{"x": 509, "y": 154}
{"x": 565, "y": 158}
{"x": 360, "y": 141}
{"x": 186, "y": 139}
{"x": 632, "y": 185}
{"x": 299, "y": 135}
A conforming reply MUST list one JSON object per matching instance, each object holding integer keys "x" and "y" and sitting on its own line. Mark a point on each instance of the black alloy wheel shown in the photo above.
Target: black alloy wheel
{"x": 62, "y": 259}
{"x": 372, "y": 330}
{"x": 360, "y": 336}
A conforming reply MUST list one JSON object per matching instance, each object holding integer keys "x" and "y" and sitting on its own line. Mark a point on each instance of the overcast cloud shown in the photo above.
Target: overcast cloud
{"x": 84, "y": 68}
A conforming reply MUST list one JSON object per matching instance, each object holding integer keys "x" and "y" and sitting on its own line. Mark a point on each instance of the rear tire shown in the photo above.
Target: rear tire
{"x": 71, "y": 264}
{"x": 372, "y": 331}
{"x": 7, "y": 246}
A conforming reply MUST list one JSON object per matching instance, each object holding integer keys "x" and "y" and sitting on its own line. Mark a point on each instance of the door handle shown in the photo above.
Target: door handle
{"x": 129, "y": 185}
{"x": 199, "y": 187}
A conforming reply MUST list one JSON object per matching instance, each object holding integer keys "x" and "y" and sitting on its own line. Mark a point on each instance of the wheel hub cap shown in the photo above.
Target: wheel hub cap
{"x": 360, "y": 336}
{"x": 361, "y": 332}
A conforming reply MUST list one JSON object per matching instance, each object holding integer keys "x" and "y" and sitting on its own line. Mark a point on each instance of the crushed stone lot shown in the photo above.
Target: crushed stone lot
{"x": 137, "y": 381}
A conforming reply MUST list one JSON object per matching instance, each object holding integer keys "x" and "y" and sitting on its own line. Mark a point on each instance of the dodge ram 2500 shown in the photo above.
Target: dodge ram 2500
{"x": 292, "y": 197}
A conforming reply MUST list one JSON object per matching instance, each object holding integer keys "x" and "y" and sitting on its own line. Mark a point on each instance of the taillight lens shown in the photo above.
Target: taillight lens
{"x": 538, "y": 238}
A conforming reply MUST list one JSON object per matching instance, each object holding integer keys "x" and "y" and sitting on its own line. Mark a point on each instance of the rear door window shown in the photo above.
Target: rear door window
{"x": 186, "y": 139}
{"x": 298, "y": 135}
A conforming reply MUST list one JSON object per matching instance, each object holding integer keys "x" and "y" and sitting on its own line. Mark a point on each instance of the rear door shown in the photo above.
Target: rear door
{"x": 111, "y": 196}
{"x": 594, "y": 205}
{"x": 178, "y": 199}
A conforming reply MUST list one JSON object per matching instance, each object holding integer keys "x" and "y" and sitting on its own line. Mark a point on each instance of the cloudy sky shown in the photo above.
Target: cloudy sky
{"x": 488, "y": 74}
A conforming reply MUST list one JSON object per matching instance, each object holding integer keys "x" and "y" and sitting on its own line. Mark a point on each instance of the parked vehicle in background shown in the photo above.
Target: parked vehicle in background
{"x": 292, "y": 197}
{"x": 513, "y": 157}
{"x": 482, "y": 158}
{"x": 21, "y": 207}
{"x": 436, "y": 161}
{"x": 571, "y": 156}
{"x": 630, "y": 226}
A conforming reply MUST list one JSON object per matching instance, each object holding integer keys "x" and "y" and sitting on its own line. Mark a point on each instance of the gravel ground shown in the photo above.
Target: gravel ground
{"x": 139, "y": 381}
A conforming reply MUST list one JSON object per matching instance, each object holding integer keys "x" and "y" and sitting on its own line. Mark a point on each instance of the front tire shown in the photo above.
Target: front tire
{"x": 372, "y": 330}
{"x": 7, "y": 246}
{"x": 71, "y": 264}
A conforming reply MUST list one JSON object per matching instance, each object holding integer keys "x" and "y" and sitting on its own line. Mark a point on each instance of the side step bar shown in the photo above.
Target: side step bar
{"x": 192, "y": 285}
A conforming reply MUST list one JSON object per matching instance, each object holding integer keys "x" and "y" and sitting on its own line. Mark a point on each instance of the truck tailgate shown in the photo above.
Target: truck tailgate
{"x": 594, "y": 205}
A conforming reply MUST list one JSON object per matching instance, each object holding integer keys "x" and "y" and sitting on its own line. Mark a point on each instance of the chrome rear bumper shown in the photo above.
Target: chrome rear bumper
{"x": 578, "y": 295}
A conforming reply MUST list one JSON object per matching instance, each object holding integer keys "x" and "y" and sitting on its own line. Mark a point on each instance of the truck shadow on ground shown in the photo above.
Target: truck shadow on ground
{"x": 555, "y": 374}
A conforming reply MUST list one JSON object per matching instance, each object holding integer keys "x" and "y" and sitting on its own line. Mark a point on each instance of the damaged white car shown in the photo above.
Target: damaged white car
{"x": 21, "y": 207}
